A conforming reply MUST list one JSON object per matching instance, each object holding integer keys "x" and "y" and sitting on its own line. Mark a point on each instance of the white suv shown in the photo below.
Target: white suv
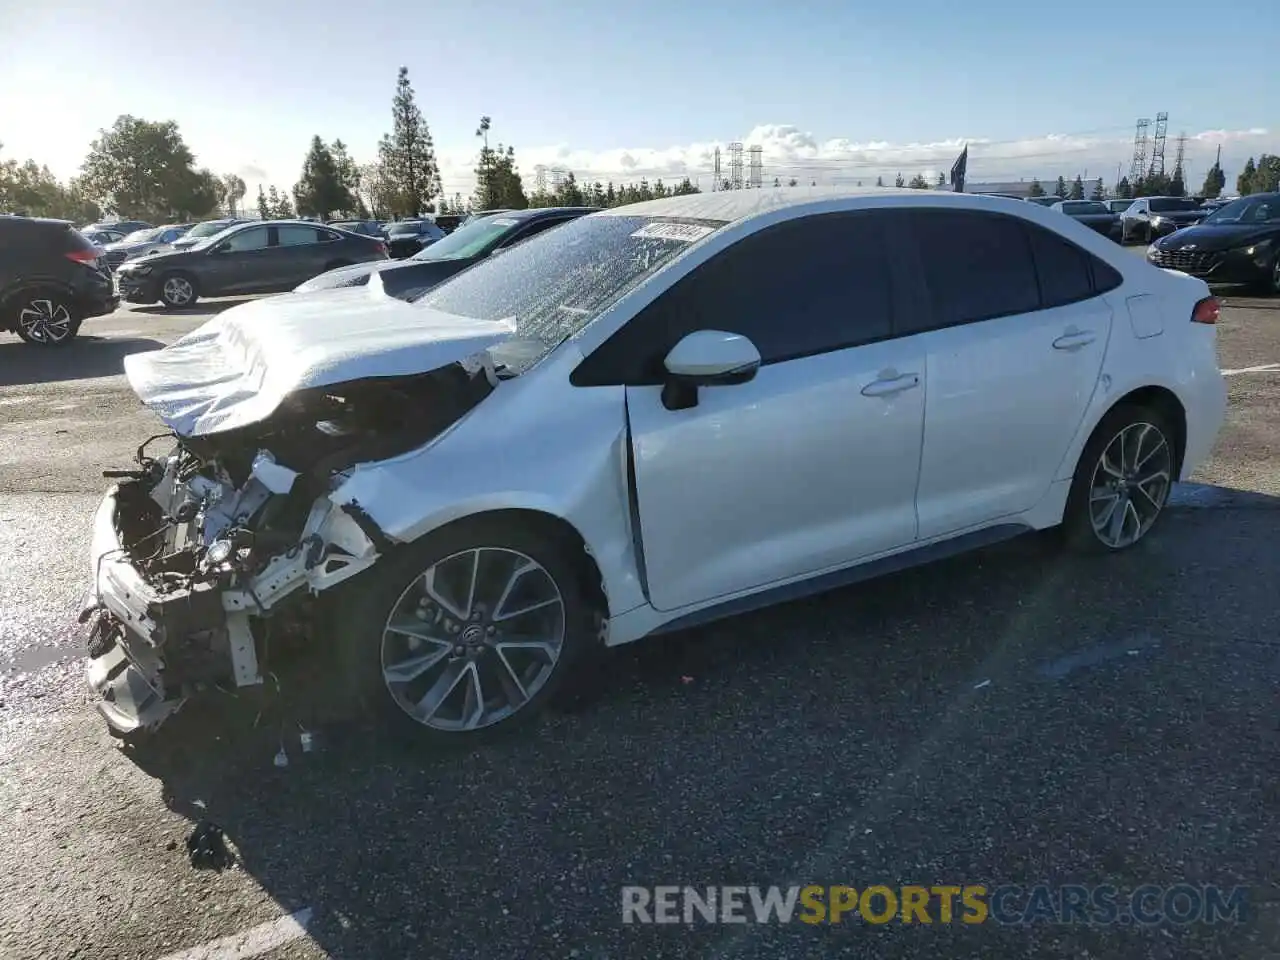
{"x": 649, "y": 418}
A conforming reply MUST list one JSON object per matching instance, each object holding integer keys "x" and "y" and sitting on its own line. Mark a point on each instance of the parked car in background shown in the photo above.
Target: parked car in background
{"x": 1093, "y": 214}
{"x": 101, "y": 237}
{"x": 1237, "y": 243}
{"x": 248, "y": 258}
{"x": 143, "y": 243}
{"x": 122, "y": 227}
{"x": 1044, "y": 201}
{"x": 407, "y": 237}
{"x": 448, "y": 222}
{"x": 467, "y": 245}
{"x": 204, "y": 230}
{"x": 634, "y": 423}
{"x": 1151, "y": 217}
{"x": 52, "y": 278}
{"x": 366, "y": 228}
{"x": 1118, "y": 205}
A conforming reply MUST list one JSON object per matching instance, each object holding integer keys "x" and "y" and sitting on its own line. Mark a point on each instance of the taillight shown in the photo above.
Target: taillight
{"x": 1207, "y": 311}
{"x": 381, "y": 247}
{"x": 88, "y": 257}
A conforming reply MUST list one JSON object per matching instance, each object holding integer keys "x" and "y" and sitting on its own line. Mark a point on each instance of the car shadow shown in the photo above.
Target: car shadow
{"x": 84, "y": 358}
{"x": 309, "y": 825}
{"x": 200, "y": 307}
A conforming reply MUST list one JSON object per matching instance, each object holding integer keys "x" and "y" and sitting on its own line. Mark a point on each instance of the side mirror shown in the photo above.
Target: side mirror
{"x": 707, "y": 358}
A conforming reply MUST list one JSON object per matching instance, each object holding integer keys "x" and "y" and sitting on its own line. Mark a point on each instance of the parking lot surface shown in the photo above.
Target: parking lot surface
{"x": 1015, "y": 716}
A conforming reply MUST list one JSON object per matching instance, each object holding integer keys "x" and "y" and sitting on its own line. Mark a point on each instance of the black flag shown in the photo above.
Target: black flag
{"x": 957, "y": 170}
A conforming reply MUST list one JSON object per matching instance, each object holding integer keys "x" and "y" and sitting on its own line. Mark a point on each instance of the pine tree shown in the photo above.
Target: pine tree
{"x": 899, "y": 182}
{"x": 407, "y": 154}
{"x": 1124, "y": 189}
{"x": 879, "y": 181}
{"x": 942, "y": 179}
{"x": 1097, "y": 190}
{"x": 1077, "y": 189}
{"x": 264, "y": 211}
{"x": 1035, "y": 189}
{"x": 321, "y": 190}
{"x": 1060, "y": 190}
{"x": 1214, "y": 181}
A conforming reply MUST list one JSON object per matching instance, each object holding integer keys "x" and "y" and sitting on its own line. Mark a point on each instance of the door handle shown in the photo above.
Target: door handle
{"x": 1074, "y": 341}
{"x": 891, "y": 385}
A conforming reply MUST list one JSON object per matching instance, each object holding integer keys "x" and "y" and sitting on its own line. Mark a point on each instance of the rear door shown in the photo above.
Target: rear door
{"x": 1014, "y": 332}
{"x": 297, "y": 254}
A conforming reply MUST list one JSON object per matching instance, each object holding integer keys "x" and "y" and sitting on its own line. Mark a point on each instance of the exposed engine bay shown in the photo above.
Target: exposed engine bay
{"x": 195, "y": 549}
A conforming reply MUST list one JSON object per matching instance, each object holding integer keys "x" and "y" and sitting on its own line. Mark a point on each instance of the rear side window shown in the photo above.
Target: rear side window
{"x": 1063, "y": 268}
{"x": 977, "y": 266}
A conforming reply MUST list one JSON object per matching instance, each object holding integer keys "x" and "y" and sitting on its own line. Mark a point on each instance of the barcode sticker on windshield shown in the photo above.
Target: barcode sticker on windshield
{"x": 687, "y": 232}
{"x": 505, "y": 222}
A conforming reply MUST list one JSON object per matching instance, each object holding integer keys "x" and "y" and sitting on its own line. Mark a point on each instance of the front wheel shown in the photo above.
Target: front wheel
{"x": 45, "y": 318}
{"x": 1122, "y": 481}
{"x": 177, "y": 290}
{"x": 468, "y": 632}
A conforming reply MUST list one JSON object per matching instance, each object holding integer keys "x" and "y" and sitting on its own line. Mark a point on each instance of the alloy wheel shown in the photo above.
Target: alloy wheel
{"x": 1130, "y": 485}
{"x": 473, "y": 639}
{"x": 177, "y": 291}
{"x": 45, "y": 321}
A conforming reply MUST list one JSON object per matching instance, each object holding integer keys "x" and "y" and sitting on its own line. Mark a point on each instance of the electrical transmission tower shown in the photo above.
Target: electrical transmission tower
{"x": 540, "y": 178}
{"x": 755, "y": 169}
{"x": 1139, "y": 165}
{"x": 1178, "y": 170}
{"x": 556, "y": 176}
{"x": 735, "y": 166}
{"x": 717, "y": 178}
{"x": 1157, "y": 147}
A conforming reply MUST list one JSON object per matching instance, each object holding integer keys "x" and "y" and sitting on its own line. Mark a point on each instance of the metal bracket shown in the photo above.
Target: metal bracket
{"x": 244, "y": 653}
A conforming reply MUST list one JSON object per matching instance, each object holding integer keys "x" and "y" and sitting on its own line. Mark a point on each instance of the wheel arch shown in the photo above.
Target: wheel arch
{"x": 555, "y": 528}
{"x": 30, "y": 285}
{"x": 1164, "y": 401}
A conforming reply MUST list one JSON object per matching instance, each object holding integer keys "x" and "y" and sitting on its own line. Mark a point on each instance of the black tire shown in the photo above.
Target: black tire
{"x": 366, "y": 603}
{"x": 1270, "y": 285}
{"x": 1077, "y": 523}
{"x": 169, "y": 291}
{"x": 59, "y": 313}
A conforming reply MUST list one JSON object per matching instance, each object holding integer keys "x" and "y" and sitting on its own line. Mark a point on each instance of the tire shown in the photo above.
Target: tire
{"x": 1096, "y": 492}
{"x": 396, "y": 591}
{"x": 44, "y": 318}
{"x": 178, "y": 290}
{"x": 1270, "y": 287}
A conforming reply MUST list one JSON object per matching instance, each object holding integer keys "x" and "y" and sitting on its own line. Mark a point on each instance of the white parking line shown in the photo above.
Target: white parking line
{"x": 1263, "y": 368}
{"x": 252, "y": 942}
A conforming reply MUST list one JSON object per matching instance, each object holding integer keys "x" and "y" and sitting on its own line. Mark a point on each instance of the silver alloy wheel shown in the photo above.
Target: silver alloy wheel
{"x": 177, "y": 291}
{"x": 45, "y": 321}
{"x": 473, "y": 639}
{"x": 1130, "y": 485}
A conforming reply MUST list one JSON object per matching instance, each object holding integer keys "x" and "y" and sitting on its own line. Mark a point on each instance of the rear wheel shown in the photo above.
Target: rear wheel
{"x": 1122, "y": 481}
{"x": 178, "y": 290}
{"x": 467, "y": 633}
{"x": 45, "y": 318}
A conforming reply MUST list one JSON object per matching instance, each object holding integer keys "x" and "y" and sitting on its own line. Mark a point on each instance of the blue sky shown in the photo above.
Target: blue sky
{"x": 831, "y": 91}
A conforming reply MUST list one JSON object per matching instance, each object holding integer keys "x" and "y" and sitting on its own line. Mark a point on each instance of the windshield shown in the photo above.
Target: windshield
{"x": 1262, "y": 209}
{"x": 1084, "y": 206}
{"x": 1172, "y": 205}
{"x": 555, "y": 284}
{"x": 209, "y": 229}
{"x": 142, "y": 236}
{"x": 469, "y": 240}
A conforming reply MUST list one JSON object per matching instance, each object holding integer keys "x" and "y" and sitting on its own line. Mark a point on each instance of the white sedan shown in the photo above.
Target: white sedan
{"x": 649, "y": 418}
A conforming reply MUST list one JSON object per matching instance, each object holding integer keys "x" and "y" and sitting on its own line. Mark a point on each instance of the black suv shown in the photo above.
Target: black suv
{"x": 51, "y": 280}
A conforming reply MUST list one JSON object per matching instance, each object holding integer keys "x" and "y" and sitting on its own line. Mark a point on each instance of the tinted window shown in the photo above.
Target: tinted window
{"x": 255, "y": 238}
{"x": 976, "y": 265}
{"x": 807, "y": 286}
{"x": 293, "y": 236}
{"x": 534, "y": 230}
{"x": 1063, "y": 268}
{"x": 1172, "y": 205}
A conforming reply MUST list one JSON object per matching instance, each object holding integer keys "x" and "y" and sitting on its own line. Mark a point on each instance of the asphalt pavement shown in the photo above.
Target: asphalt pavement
{"x": 1014, "y": 716}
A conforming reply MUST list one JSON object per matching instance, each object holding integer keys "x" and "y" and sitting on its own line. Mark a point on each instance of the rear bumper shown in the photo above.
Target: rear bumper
{"x": 1206, "y": 411}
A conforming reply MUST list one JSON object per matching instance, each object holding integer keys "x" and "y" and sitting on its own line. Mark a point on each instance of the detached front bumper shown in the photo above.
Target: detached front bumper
{"x": 133, "y": 629}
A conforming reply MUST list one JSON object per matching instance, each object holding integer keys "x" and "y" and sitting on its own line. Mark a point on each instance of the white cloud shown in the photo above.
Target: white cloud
{"x": 788, "y": 151}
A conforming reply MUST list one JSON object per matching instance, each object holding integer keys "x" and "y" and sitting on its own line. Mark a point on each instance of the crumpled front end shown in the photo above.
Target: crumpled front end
{"x": 197, "y": 556}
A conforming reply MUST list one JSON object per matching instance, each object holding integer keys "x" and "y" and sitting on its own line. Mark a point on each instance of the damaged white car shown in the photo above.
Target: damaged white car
{"x": 651, "y": 417}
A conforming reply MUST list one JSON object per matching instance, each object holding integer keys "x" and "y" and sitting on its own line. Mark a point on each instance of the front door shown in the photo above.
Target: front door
{"x": 236, "y": 264}
{"x": 811, "y": 465}
{"x": 1012, "y": 370}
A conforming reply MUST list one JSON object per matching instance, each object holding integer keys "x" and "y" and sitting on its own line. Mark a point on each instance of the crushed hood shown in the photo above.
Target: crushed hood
{"x": 239, "y": 367}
